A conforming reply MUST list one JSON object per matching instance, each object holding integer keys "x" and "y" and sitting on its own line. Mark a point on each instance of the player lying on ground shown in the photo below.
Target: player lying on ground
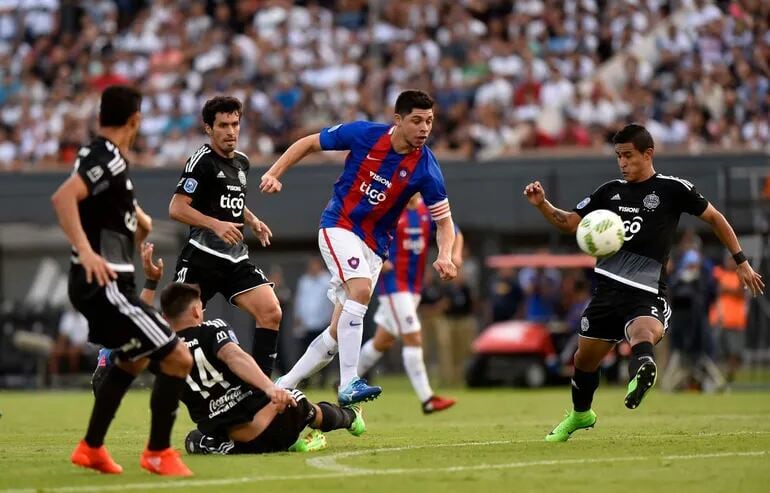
{"x": 630, "y": 298}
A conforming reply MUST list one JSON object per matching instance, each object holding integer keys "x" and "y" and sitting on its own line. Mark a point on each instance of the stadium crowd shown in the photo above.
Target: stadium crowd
{"x": 507, "y": 76}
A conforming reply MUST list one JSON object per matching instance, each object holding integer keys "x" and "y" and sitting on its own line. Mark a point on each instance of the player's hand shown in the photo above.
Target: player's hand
{"x": 751, "y": 279}
{"x": 281, "y": 397}
{"x": 270, "y": 184}
{"x": 262, "y": 232}
{"x": 445, "y": 268}
{"x": 387, "y": 266}
{"x": 96, "y": 268}
{"x": 535, "y": 193}
{"x": 152, "y": 270}
{"x": 230, "y": 233}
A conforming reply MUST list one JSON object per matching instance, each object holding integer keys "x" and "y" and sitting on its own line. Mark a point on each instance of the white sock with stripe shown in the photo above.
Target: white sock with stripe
{"x": 415, "y": 369}
{"x": 318, "y": 354}
{"x": 350, "y": 331}
{"x": 368, "y": 358}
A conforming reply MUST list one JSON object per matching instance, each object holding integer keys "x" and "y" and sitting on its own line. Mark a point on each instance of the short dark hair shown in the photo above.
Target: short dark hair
{"x": 176, "y": 298}
{"x": 635, "y": 134}
{"x": 119, "y": 103}
{"x": 220, "y": 104}
{"x": 411, "y": 99}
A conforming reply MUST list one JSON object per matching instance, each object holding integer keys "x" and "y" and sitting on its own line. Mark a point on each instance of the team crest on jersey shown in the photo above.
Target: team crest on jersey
{"x": 409, "y": 320}
{"x": 353, "y": 262}
{"x": 584, "y": 324}
{"x": 402, "y": 173}
{"x": 583, "y": 203}
{"x": 242, "y": 177}
{"x": 190, "y": 185}
{"x": 651, "y": 201}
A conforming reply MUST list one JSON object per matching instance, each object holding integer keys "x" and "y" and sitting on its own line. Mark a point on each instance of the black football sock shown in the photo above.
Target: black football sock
{"x": 164, "y": 403}
{"x": 108, "y": 396}
{"x": 265, "y": 349}
{"x": 584, "y": 385}
{"x": 335, "y": 417}
{"x": 641, "y": 353}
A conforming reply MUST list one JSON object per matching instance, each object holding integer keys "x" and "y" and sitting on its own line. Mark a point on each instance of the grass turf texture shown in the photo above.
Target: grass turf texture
{"x": 492, "y": 440}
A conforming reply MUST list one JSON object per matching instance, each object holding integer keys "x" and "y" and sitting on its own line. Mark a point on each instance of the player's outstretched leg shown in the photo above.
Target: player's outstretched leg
{"x": 314, "y": 441}
{"x": 319, "y": 353}
{"x": 332, "y": 417}
{"x": 645, "y": 372}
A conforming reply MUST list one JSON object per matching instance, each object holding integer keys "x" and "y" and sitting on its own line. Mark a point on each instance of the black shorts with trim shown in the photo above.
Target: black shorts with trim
{"x": 612, "y": 309}
{"x": 279, "y": 435}
{"x": 217, "y": 275}
{"x": 118, "y": 319}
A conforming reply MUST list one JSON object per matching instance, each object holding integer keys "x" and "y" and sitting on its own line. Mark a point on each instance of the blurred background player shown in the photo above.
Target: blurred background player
{"x": 386, "y": 165}
{"x": 629, "y": 301}
{"x": 211, "y": 198}
{"x": 398, "y": 291}
{"x": 100, "y": 217}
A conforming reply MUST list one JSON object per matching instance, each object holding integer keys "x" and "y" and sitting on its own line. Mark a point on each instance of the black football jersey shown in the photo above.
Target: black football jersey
{"x": 217, "y": 186}
{"x": 108, "y": 214}
{"x": 212, "y": 389}
{"x": 650, "y": 211}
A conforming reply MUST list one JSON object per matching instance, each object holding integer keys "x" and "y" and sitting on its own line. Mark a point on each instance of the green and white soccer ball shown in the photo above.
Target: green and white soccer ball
{"x": 600, "y": 233}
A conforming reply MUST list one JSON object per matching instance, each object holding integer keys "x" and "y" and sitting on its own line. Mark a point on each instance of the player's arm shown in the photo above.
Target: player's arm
{"x": 727, "y": 236}
{"x": 65, "y": 203}
{"x": 445, "y": 239}
{"x": 143, "y": 225}
{"x": 152, "y": 273}
{"x": 181, "y": 209}
{"x": 259, "y": 228}
{"x": 243, "y": 365}
{"x": 457, "y": 248}
{"x": 295, "y": 153}
{"x": 564, "y": 221}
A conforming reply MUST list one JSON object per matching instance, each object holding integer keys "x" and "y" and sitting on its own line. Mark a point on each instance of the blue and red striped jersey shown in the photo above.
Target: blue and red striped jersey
{"x": 408, "y": 252}
{"x": 377, "y": 182}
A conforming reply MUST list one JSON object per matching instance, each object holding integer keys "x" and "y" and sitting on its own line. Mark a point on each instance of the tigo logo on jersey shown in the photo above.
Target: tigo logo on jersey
{"x": 235, "y": 204}
{"x": 416, "y": 246}
{"x": 632, "y": 227}
{"x": 353, "y": 262}
{"x": 373, "y": 196}
{"x": 190, "y": 185}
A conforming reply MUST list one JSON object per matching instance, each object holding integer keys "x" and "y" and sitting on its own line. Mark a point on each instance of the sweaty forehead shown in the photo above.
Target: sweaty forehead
{"x": 422, "y": 114}
{"x": 625, "y": 147}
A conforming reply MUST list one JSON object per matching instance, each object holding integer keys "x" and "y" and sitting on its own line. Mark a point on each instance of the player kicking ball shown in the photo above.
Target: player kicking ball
{"x": 630, "y": 297}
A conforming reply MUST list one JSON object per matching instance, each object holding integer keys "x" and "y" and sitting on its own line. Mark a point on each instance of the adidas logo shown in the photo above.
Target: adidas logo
{"x": 221, "y": 174}
{"x": 614, "y": 197}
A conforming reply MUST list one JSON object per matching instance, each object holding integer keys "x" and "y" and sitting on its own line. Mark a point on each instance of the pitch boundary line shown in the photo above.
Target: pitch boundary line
{"x": 339, "y": 471}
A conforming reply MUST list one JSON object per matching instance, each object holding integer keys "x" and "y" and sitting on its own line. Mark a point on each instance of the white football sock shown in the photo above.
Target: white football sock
{"x": 368, "y": 358}
{"x": 318, "y": 354}
{"x": 350, "y": 331}
{"x": 415, "y": 368}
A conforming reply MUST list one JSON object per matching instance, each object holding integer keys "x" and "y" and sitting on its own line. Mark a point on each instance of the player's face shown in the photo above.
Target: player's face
{"x": 416, "y": 126}
{"x": 224, "y": 134}
{"x": 634, "y": 165}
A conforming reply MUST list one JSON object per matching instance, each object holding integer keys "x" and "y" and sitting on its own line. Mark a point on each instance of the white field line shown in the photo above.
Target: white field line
{"x": 340, "y": 471}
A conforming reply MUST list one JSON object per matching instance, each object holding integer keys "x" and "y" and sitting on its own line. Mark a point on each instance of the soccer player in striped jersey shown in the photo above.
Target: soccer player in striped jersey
{"x": 385, "y": 166}
{"x": 629, "y": 301}
{"x": 398, "y": 293}
{"x": 99, "y": 214}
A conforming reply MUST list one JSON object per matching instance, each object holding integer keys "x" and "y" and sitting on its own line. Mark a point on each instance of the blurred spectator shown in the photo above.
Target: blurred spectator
{"x": 454, "y": 343}
{"x": 505, "y": 296}
{"x": 70, "y": 342}
{"x": 729, "y": 315}
{"x": 541, "y": 289}
{"x": 503, "y": 72}
{"x": 312, "y": 308}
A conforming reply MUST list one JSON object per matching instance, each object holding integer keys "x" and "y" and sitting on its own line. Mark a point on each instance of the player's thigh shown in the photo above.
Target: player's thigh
{"x": 591, "y": 352}
{"x": 206, "y": 278}
{"x": 646, "y": 319}
{"x": 346, "y": 257}
{"x": 119, "y": 320}
{"x": 383, "y": 340}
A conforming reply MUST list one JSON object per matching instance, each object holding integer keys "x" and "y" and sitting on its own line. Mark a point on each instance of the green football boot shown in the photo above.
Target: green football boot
{"x": 572, "y": 422}
{"x": 315, "y": 440}
{"x": 642, "y": 382}
{"x": 357, "y": 427}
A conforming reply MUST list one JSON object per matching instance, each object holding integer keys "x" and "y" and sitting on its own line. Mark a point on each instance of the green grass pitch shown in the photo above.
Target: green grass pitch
{"x": 491, "y": 441}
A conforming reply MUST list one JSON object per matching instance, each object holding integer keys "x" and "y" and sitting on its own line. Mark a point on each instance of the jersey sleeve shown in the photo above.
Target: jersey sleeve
{"x": 223, "y": 335}
{"x": 597, "y": 200}
{"x": 342, "y": 137}
{"x": 96, "y": 170}
{"x": 193, "y": 176}
{"x": 433, "y": 192}
{"x": 690, "y": 200}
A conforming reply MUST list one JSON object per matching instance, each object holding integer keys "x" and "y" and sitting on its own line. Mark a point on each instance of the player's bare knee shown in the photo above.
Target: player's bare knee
{"x": 360, "y": 290}
{"x": 132, "y": 367}
{"x": 271, "y": 317}
{"x": 587, "y": 362}
{"x": 412, "y": 340}
{"x": 383, "y": 345}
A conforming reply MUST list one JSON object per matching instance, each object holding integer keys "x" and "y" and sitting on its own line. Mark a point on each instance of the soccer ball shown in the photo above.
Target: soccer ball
{"x": 600, "y": 233}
